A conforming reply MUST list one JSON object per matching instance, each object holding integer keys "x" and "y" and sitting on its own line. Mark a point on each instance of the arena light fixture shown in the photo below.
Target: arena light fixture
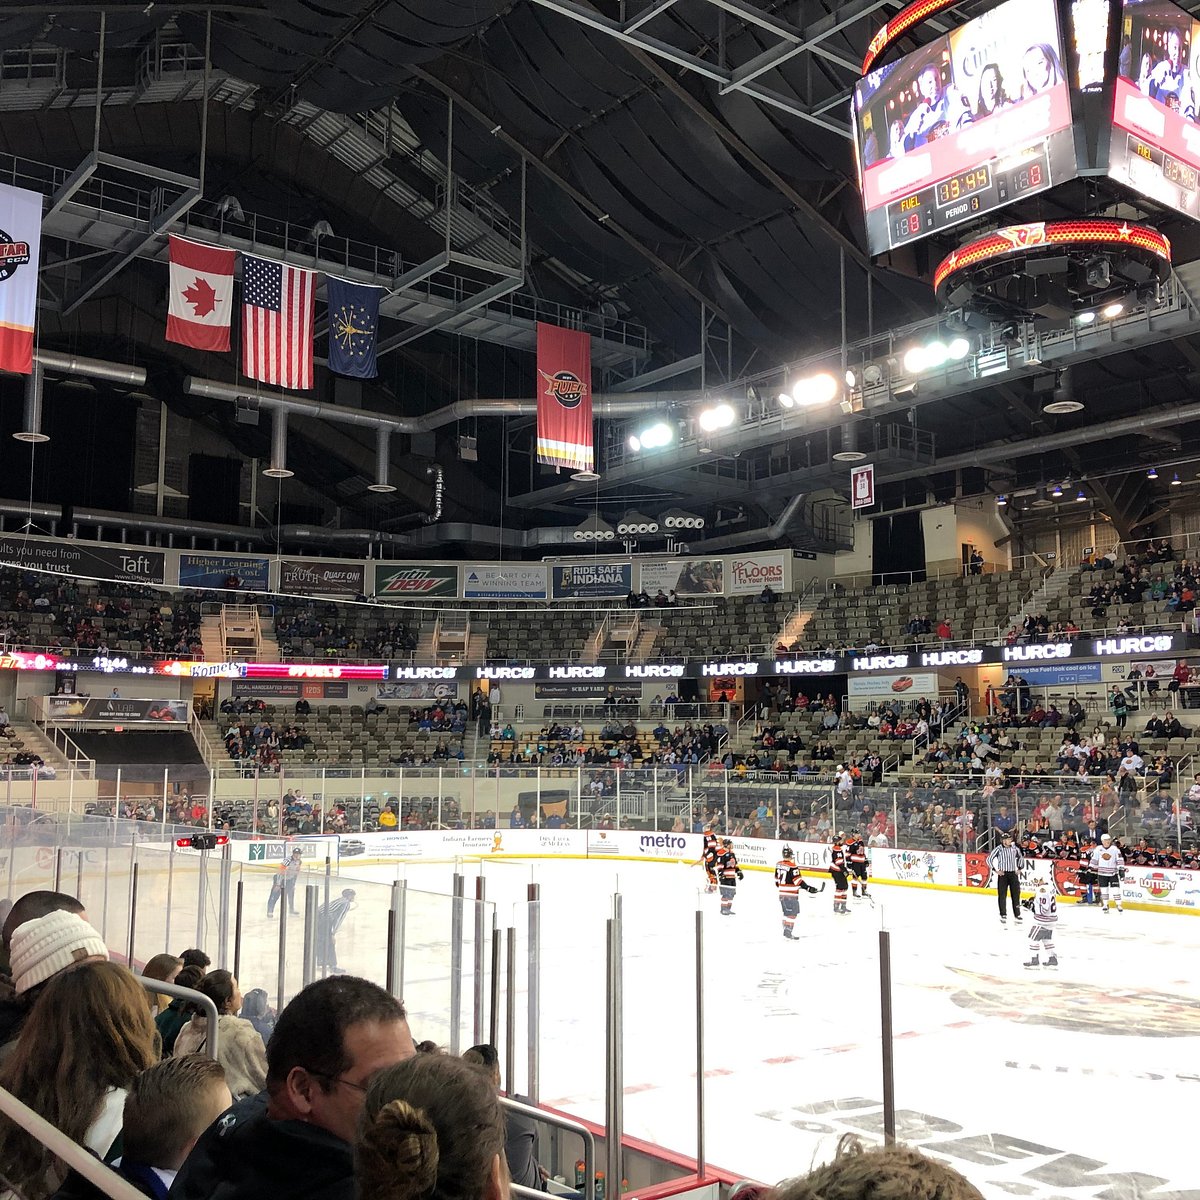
{"x": 717, "y": 416}
{"x": 784, "y": 400}
{"x": 1085, "y": 318}
{"x": 814, "y": 390}
{"x": 1080, "y": 496}
{"x": 653, "y": 437}
{"x": 1176, "y": 481}
{"x": 851, "y": 377}
{"x": 958, "y": 348}
{"x": 913, "y": 361}
{"x": 1115, "y": 309}
{"x": 1152, "y": 473}
{"x": 1001, "y": 501}
{"x": 1056, "y": 491}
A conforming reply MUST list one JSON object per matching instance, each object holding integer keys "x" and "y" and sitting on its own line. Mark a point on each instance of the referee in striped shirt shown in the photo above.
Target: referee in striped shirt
{"x": 1005, "y": 864}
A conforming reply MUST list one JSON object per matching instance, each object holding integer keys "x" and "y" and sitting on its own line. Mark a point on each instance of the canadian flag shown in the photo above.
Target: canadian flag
{"x": 201, "y": 300}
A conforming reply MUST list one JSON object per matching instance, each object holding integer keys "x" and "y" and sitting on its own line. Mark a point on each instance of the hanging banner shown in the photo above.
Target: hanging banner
{"x": 582, "y": 581}
{"x": 115, "y": 711}
{"x": 20, "y": 242}
{"x": 750, "y": 573}
{"x": 684, "y": 576}
{"x": 862, "y": 486}
{"x": 564, "y": 398}
{"x": 507, "y": 581}
{"x": 312, "y": 577}
{"x": 231, "y": 571}
{"x": 84, "y": 559}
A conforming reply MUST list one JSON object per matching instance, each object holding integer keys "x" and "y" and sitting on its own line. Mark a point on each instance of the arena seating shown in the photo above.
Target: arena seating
{"x": 972, "y": 603}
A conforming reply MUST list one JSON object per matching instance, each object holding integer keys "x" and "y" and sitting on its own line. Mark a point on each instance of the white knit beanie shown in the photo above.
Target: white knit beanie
{"x": 46, "y": 945}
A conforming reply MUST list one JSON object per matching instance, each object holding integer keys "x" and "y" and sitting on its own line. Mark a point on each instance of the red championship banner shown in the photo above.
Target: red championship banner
{"x": 20, "y": 241}
{"x": 564, "y": 398}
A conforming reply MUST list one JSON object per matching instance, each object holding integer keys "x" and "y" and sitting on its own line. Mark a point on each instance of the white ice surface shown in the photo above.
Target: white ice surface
{"x": 1043, "y": 1083}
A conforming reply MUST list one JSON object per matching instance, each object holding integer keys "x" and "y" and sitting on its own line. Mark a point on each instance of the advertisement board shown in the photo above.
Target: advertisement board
{"x": 418, "y": 689}
{"x": 750, "y": 573}
{"x": 313, "y": 577}
{"x": 224, "y": 571}
{"x": 968, "y": 123}
{"x": 578, "y": 581}
{"x": 1155, "y": 146}
{"x": 1068, "y": 672}
{"x": 685, "y": 576}
{"x": 504, "y": 581}
{"x": 83, "y": 559}
{"x": 892, "y": 687}
{"x": 403, "y": 580}
{"x": 115, "y": 711}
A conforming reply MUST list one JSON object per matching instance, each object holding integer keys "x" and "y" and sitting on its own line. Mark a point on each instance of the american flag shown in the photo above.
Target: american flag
{"x": 277, "y": 322}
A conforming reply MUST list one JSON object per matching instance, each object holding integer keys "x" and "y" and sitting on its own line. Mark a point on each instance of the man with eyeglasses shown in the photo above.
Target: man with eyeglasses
{"x": 294, "y": 1140}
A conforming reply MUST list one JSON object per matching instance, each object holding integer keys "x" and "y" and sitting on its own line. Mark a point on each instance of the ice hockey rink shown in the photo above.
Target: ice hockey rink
{"x": 1076, "y": 1081}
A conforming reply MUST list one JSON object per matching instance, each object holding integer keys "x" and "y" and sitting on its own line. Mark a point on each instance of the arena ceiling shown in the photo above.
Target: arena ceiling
{"x": 682, "y": 166}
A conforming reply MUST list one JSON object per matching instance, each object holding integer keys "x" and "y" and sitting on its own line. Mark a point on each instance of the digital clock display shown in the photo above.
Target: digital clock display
{"x": 966, "y": 183}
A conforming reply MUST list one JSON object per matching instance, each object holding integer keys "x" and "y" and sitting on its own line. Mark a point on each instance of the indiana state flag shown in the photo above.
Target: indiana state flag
{"x": 353, "y": 327}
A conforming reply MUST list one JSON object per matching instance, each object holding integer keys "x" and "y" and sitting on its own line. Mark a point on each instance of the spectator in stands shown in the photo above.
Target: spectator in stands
{"x": 520, "y": 1131}
{"x": 767, "y": 595}
{"x": 88, "y": 1037}
{"x": 1119, "y": 704}
{"x": 256, "y": 1008}
{"x": 976, "y": 564}
{"x": 40, "y": 949}
{"x": 175, "y": 1016}
{"x": 27, "y": 908}
{"x": 631, "y": 601}
{"x": 328, "y": 1044}
{"x": 165, "y": 967}
{"x": 168, "y": 1107}
{"x": 303, "y": 708}
{"x": 432, "y": 1129}
{"x": 240, "y": 1049}
{"x": 660, "y": 599}
{"x": 944, "y": 630}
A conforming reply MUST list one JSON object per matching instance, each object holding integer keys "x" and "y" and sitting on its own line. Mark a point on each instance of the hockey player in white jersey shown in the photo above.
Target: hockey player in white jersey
{"x": 1043, "y": 908}
{"x": 1108, "y": 869}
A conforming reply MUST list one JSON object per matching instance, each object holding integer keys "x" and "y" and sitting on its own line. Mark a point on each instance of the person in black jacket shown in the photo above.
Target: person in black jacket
{"x": 520, "y": 1131}
{"x": 293, "y": 1142}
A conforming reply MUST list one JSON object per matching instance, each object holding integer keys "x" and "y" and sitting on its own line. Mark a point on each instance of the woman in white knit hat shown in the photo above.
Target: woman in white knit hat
{"x": 240, "y": 1048}
{"x": 39, "y": 950}
{"x": 89, "y": 1035}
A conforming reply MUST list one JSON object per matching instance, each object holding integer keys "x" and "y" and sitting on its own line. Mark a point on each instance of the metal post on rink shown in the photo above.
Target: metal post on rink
{"x": 397, "y": 915}
{"x": 700, "y": 1043}
{"x": 281, "y": 974}
{"x": 533, "y": 992}
{"x": 480, "y": 989}
{"x": 58, "y": 869}
{"x": 237, "y": 929}
{"x": 323, "y": 956}
{"x": 614, "y": 1116}
{"x": 170, "y": 892}
{"x": 510, "y": 1012}
{"x": 201, "y": 897}
{"x": 311, "y": 900}
{"x": 225, "y": 876}
{"x": 494, "y": 1010}
{"x": 79, "y": 873}
{"x": 456, "y": 962}
{"x": 885, "y": 1010}
{"x": 133, "y": 890}
{"x": 104, "y": 904}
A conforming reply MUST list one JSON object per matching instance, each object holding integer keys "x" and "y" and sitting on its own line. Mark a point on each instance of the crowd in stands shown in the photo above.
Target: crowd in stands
{"x": 619, "y": 744}
{"x": 84, "y": 619}
{"x": 319, "y": 631}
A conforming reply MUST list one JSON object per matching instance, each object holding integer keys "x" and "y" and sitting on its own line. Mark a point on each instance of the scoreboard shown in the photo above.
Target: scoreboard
{"x": 975, "y": 120}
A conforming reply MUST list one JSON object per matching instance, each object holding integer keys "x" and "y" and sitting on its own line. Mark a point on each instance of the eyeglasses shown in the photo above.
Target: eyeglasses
{"x": 358, "y": 1087}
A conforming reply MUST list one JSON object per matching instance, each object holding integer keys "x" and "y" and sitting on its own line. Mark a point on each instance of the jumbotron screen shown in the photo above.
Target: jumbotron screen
{"x": 1155, "y": 146}
{"x": 967, "y": 124}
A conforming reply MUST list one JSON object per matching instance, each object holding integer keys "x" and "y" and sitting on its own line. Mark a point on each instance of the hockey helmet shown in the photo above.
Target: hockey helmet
{"x": 787, "y": 852}
{"x": 727, "y": 841}
{"x": 1106, "y": 838}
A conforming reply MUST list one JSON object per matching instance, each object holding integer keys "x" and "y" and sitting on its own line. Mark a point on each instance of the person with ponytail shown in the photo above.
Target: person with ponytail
{"x": 432, "y": 1129}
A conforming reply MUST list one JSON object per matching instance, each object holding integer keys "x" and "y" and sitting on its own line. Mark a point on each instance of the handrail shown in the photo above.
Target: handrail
{"x": 62, "y": 1147}
{"x": 565, "y": 1123}
{"x": 183, "y": 993}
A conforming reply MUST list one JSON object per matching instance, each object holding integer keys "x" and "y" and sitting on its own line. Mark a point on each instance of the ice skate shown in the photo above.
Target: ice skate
{"x": 1033, "y": 962}
{"x": 1052, "y": 961}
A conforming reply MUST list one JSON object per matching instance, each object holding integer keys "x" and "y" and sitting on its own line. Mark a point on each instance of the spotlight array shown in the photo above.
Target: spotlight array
{"x": 810, "y": 391}
{"x": 929, "y": 356}
{"x": 719, "y": 416}
{"x": 653, "y": 437}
